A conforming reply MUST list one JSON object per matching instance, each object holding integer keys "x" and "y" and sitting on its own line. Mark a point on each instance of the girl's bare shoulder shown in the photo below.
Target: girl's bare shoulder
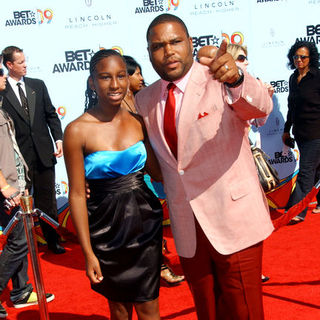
{"x": 81, "y": 124}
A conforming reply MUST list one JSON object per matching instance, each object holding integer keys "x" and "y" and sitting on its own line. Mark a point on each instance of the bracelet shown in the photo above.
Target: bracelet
{"x": 238, "y": 82}
{"x": 5, "y": 187}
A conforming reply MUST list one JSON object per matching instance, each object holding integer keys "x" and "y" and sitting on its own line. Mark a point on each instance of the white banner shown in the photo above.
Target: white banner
{"x": 59, "y": 38}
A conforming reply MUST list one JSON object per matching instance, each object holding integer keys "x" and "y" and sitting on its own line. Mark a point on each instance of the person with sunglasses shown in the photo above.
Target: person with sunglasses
{"x": 239, "y": 54}
{"x": 304, "y": 118}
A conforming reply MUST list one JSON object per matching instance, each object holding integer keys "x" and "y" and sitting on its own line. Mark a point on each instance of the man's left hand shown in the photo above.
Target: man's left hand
{"x": 59, "y": 150}
{"x": 222, "y": 66}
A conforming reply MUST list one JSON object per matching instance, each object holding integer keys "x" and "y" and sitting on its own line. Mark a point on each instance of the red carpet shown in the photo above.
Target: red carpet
{"x": 291, "y": 260}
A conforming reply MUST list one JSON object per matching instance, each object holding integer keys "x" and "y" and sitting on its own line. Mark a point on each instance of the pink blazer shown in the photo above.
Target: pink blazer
{"x": 214, "y": 178}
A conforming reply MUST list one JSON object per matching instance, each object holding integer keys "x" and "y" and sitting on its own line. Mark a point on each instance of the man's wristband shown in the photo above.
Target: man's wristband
{"x": 5, "y": 187}
{"x": 238, "y": 82}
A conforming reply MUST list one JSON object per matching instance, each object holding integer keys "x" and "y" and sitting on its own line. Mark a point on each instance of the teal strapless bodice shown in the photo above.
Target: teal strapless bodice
{"x": 111, "y": 164}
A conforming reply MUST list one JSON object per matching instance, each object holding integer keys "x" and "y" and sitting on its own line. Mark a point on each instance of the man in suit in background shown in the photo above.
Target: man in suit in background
{"x": 28, "y": 103}
{"x": 218, "y": 211}
{"x": 14, "y": 257}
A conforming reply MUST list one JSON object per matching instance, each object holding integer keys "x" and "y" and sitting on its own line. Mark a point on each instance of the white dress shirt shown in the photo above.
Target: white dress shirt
{"x": 15, "y": 87}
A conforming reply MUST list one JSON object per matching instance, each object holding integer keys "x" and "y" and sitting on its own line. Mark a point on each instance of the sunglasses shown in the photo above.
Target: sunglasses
{"x": 300, "y": 57}
{"x": 241, "y": 58}
{"x": 1, "y": 72}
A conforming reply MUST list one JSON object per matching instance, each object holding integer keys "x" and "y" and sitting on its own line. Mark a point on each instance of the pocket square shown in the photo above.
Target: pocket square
{"x": 201, "y": 115}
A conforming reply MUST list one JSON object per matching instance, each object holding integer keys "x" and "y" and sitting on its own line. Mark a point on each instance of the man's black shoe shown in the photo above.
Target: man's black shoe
{"x": 56, "y": 248}
{"x": 3, "y": 312}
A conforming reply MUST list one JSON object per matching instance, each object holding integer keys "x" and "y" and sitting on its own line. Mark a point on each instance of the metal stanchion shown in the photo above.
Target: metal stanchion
{"x": 27, "y": 207}
{"x": 27, "y": 215}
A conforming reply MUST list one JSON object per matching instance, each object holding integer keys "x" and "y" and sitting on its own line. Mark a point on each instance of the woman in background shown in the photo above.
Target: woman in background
{"x": 119, "y": 226}
{"x": 239, "y": 54}
{"x": 136, "y": 83}
{"x": 304, "y": 118}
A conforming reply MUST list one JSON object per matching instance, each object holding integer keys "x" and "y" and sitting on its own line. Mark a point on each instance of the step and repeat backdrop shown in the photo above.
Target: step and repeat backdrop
{"x": 59, "y": 38}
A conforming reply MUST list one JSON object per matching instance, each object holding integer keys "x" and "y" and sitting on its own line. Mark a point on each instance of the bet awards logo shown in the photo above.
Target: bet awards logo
{"x": 75, "y": 61}
{"x": 235, "y": 38}
{"x": 115, "y": 48}
{"x": 45, "y": 16}
{"x": 173, "y": 4}
{"x": 118, "y": 49}
{"x": 29, "y": 17}
{"x": 157, "y": 6}
{"x": 61, "y": 111}
{"x": 280, "y": 158}
{"x": 61, "y": 188}
{"x": 313, "y": 34}
{"x": 280, "y": 86}
{"x": 198, "y": 42}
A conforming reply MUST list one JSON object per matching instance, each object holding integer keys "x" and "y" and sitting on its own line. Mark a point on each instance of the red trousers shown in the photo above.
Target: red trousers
{"x": 225, "y": 287}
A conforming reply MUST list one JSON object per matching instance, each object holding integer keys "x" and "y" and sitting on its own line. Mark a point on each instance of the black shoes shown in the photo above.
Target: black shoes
{"x": 56, "y": 248}
{"x": 3, "y": 312}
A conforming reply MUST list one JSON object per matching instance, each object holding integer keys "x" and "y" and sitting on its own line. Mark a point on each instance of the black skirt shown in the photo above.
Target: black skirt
{"x": 125, "y": 222}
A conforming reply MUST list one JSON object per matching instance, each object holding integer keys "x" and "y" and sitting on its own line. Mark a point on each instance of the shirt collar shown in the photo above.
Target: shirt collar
{"x": 312, "y": 71}
{"x": 14, "y": 82}
{"x": 180, "y": 83}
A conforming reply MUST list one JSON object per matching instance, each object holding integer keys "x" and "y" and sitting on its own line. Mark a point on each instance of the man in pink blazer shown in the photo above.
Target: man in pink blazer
{"x": 219, "y": 215}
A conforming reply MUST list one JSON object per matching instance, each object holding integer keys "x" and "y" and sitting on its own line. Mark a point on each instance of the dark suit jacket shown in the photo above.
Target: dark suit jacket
{"x": 34, "y": 135}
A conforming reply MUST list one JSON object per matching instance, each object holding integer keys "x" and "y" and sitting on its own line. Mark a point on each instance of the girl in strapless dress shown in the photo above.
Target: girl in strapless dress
{"x": 120, "y": 226}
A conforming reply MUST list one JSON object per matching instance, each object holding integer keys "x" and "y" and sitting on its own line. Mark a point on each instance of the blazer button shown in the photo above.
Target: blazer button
{"x": 181, "y": 172}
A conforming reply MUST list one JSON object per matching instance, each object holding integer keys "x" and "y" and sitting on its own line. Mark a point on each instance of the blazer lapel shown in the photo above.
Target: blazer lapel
{"x": 188, "y": 113}
{"x": 31, "y": 96}
{"x": 12, "y": 98}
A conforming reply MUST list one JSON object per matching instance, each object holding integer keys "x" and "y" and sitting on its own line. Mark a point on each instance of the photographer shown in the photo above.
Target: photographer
{"x": 13, "y": 259}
